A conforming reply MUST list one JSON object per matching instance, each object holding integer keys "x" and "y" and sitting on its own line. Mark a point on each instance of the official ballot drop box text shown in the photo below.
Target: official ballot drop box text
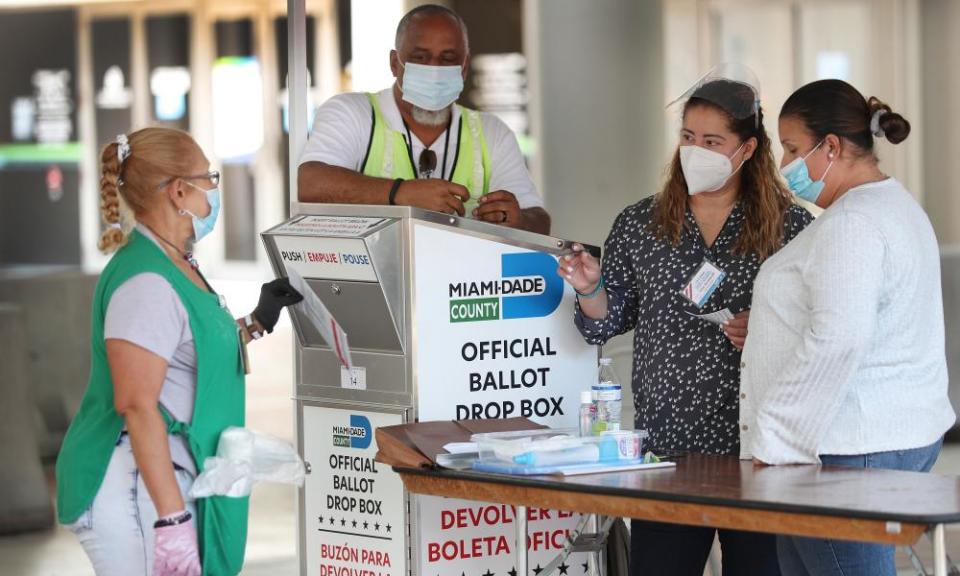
{"x": 446, "y": 318}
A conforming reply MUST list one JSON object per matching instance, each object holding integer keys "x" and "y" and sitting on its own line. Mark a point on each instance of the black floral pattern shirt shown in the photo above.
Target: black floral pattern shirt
{"x": 686, "y": 372}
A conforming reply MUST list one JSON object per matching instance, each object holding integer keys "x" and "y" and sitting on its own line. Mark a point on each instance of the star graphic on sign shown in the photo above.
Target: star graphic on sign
{"x": 331, "y": 520}
{"x": 585, "y": 567}
{"x": 487, "y": 573}
{"x": 388, "y": 527}
{"x": 538, "y": 569}
{"x": 354, "y": 523}
{"x": 366, "y": 525}
{"x": 376, "y": 526}
{"x": 563, "y": 568}
{"x": 512, "y": 572}
{"x": 343, "y": 521}
{"x": 321, "y": 519}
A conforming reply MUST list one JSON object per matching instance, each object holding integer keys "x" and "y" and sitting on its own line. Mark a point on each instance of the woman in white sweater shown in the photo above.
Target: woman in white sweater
{"x": 844, "y": 363}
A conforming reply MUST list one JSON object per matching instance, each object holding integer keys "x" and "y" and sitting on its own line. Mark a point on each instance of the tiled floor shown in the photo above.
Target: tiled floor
{"x": 272, "y": 535}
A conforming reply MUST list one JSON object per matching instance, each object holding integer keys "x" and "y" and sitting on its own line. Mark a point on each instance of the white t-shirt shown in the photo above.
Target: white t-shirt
{"x": 145, "y": 310}
{"x": 341, "y": 132}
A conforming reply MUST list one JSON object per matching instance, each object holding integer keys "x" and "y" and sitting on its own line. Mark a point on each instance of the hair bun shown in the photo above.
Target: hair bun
{"x": 895, "y": 128}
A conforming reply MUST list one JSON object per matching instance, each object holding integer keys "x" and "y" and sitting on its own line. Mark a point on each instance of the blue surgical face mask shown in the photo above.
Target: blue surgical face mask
{"x": 798, "y": 177}
{"x": 204, "y": 226}
{"x": 431, "y": 87}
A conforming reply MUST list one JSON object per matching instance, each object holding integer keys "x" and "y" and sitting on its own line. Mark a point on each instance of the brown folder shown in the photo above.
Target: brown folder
{"x": 417, "y": 444}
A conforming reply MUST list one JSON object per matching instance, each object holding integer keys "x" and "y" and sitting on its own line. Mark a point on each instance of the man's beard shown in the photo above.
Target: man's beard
{"x": 430, "y": 117}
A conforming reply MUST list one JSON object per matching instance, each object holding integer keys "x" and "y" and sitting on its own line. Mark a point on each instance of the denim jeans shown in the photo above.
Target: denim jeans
{"x": 116, "y": 531}
{"x": 659, "y": 549}
{"x": 819, "y": 557}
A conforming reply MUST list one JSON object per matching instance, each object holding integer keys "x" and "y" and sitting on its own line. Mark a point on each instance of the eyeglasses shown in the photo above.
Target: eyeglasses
{"x": 427, "y": 163}
{"x": 213, "y": 176}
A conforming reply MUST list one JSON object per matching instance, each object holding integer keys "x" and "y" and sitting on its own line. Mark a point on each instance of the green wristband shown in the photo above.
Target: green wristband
{"x": 593, "y": 292}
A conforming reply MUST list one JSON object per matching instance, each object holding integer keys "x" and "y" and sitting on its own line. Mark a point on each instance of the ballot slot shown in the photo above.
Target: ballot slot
{"x": 353, "y": 265}
{"x": 361, "y": 310}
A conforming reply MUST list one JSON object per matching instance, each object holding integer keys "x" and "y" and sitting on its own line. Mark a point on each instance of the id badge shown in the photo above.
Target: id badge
{"x": 703, "y": 283}
{"x": 244, "y": 358}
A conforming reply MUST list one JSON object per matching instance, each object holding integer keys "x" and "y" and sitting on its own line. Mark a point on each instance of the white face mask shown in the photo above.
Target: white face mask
{"x": 706, "y": 170}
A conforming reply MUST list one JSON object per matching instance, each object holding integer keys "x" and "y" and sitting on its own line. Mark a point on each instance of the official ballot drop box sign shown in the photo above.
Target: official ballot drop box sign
{"x": 354, "y": 505}
{"x": 495, "y": 339}
{"x": 447, "y": 318}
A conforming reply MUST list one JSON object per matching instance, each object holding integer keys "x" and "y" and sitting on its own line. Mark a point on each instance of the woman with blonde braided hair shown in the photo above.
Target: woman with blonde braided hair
{"x": 167, "y": 372}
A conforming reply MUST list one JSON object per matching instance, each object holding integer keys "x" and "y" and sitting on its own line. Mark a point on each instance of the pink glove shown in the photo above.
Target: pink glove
{"x": 175, "y": 551}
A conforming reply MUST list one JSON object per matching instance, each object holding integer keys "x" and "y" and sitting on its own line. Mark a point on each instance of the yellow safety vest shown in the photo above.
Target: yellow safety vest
{"x": 388, "y": 155}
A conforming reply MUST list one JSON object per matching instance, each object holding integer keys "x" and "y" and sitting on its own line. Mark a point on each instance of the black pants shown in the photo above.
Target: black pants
{"x": 672, "y": 550}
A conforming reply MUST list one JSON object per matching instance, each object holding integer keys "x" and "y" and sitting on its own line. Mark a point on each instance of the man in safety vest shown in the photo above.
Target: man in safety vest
{"x": 412, "y": 145}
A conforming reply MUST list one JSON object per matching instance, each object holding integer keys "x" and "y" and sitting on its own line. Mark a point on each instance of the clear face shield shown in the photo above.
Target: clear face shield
{"x": 732, "y": 86}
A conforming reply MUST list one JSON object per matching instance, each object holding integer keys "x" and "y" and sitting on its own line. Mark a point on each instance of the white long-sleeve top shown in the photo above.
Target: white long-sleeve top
{"x": 845, "y": 346}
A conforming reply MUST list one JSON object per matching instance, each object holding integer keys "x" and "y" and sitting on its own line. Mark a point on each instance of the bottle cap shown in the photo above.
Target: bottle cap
{"x": 586, "y": 397}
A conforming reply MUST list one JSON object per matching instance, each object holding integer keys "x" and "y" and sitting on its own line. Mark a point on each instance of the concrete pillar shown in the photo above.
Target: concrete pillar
{"x": 597, "y": 108}
{"x": 24, "y": 499}
{"x": 596, "y": 71}
{"x": 941, "y": 116}
{"x": 950, "y": 274}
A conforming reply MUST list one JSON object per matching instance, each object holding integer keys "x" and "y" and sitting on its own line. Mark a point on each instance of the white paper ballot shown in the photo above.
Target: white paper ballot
{"x": 718, "y": 317}
{"x": 321, "y": 318}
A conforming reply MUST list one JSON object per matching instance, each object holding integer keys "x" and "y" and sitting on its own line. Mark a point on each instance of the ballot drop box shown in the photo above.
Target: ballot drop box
{"x": 427, "y": 317}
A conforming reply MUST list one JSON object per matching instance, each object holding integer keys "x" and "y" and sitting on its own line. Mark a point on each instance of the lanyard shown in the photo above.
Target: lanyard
{"x": 446, "y": 146}
{"x": 188, "y": 256}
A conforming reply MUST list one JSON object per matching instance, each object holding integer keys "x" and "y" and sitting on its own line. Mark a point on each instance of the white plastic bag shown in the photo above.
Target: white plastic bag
{"x": 243, "y": 458}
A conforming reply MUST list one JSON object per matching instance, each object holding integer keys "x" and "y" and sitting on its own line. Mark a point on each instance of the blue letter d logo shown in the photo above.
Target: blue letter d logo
{"x": 532, "y": 264}
{"x": 361, "y": 422}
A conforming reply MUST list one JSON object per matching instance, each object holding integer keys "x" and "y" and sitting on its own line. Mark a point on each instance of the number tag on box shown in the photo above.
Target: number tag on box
{"x": 703, "y": 283}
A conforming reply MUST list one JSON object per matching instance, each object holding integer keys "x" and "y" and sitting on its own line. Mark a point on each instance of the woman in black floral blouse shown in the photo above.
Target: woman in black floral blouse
{"x": 692, "y": 249}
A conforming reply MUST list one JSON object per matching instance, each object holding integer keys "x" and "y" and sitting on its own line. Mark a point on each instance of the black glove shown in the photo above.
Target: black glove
{"x": 274, "y": 296}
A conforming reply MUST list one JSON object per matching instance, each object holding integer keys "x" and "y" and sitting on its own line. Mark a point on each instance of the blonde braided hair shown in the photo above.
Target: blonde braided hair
{"x": 132, "y": 168}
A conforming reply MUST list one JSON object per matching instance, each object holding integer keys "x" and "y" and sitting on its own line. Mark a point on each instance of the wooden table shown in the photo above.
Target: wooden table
{"x": 882, "y": 506}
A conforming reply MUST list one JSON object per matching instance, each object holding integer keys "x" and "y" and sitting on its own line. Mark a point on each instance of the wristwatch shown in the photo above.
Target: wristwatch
{"x": 251, "y": 328}
{"x": 173, "y": 519}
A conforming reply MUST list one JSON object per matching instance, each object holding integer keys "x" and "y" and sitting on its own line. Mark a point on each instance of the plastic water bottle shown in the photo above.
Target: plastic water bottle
{"x": 607, "y": 394}
{"x": 588, "y": 413}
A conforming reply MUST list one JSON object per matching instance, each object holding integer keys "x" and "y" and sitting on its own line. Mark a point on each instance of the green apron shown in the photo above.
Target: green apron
{"x": 388, "y": 155}
{"x": 219, "y": 403}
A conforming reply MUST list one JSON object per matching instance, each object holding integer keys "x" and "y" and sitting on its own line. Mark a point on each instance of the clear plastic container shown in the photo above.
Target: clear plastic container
{"x": 551, "y": 448}
{"x": 629, "y": 442}
{"x": 505, "y": 446}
